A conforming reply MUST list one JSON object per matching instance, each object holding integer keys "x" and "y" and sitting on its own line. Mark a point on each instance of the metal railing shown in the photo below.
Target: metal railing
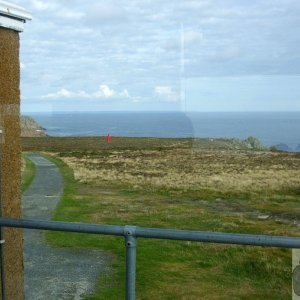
{"x": 131, "y": 233}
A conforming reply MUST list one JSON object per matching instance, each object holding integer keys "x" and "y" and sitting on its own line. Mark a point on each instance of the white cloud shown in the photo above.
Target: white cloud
{"x": 40, "y": 5}
{"x": 62, "y": 93}
{"x": 192, "y": 37}
{"x": 125, "y": 93}
{"x": 166, "y": 93}
{"x": 70, "y": 15}
{"x": 106, "y": 13}
{"x": 104, "y": 92}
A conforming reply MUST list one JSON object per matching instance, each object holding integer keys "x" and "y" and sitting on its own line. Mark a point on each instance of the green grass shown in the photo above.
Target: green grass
{"x": 28, "y": 174}
{"x": 173, "y": 269}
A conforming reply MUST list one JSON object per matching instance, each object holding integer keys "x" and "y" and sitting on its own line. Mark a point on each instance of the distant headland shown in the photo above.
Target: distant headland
{"x": 30, "y": 128}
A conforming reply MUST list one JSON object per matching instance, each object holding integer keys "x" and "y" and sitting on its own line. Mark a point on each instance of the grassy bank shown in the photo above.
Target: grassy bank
{"x": 28, "y": 172}
{"x": 148, "y": 187}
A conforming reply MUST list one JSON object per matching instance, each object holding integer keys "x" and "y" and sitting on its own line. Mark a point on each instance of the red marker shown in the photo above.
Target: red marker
{"x": 108, "y": 138}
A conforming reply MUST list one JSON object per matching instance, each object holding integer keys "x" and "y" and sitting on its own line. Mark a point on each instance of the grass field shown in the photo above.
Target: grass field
{"x": 173, "y": 184}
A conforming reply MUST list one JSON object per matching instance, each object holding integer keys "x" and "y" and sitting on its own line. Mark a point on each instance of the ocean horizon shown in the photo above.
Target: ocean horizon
{"x": 271, "y": 128}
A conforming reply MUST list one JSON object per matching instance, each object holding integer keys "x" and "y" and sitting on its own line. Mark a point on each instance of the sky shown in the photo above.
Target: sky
{"x": 161, "y": 55}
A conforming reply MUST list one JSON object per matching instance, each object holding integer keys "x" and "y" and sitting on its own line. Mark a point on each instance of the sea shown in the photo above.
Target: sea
{"x": 271, "y": 128}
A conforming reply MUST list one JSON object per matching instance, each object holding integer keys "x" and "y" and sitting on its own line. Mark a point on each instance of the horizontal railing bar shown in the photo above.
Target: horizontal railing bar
{"x": 63, "y": 226}
{"x": 219, "y": 237}
{"x": 158, "y": 233}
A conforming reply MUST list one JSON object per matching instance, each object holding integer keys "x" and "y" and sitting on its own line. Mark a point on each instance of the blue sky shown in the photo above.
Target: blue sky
{"x": 196, "y": 55}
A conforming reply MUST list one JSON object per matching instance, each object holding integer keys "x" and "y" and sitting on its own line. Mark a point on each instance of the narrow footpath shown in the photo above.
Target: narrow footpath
{"x": 54, "y": 273}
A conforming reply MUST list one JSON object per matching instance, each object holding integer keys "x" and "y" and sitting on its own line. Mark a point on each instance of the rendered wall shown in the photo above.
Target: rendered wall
{"x": 10, "y": 151}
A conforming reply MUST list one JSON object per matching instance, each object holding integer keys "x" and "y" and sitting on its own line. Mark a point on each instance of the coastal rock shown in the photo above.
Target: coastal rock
{"x": 30, "y": 128}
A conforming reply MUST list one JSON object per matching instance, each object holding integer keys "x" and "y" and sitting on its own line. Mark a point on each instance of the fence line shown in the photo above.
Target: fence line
{"x": 131, "y": 233}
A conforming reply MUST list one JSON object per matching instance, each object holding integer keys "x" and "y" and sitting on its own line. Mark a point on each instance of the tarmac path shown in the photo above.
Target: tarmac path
{"x": 54, "y": 273}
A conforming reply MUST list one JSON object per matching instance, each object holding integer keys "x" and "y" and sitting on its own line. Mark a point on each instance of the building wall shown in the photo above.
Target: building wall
{"x": 10, "y": 155}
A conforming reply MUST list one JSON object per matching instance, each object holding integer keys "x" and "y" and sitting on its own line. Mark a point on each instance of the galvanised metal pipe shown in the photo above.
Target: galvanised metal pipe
{"x": 171, "y": 234}
{"x": 130, "y": 244}
{"x": 219, "y": 237}
{"x": 63, "y": 226}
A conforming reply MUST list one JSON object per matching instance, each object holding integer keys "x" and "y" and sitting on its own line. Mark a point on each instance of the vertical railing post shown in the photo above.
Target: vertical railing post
{"x": 131, "y": 244}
